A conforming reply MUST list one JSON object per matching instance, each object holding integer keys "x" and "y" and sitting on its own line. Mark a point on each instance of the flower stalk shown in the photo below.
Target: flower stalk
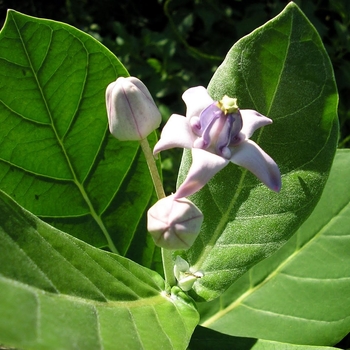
{"x": 167, "y": 260}
{"x": 132, "y": 116}
{"x": 152, "y": 166}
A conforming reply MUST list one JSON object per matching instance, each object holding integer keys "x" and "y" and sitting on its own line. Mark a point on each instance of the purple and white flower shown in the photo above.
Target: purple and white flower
{"x": 217, "y": 132}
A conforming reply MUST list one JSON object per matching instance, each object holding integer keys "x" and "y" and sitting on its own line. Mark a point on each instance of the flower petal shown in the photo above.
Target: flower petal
{"x": 204, "y": 166}
{"x": 177, "y": 132}
{"x": 196, "y": 99}
{"x": 252, "y": 120}
{"x": 250, "y": 156}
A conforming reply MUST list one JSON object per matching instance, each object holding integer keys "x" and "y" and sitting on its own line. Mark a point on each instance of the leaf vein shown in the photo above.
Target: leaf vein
{"x": 314, "y": 279}
{"x": 34, "y": 264}
{"x": 273, "y": 313}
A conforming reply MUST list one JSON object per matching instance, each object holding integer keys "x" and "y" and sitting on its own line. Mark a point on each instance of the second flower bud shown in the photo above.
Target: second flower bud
{"x": 174, "y": 223}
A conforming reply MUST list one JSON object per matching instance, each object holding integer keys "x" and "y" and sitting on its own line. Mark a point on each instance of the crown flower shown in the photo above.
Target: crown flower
{"x": 217, "y": 132}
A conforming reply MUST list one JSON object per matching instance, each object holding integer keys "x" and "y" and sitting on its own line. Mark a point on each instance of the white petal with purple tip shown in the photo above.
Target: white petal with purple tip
{"x": 177, "y": 132}
{"x": 196, "y": 99}
{"x": 252, "y": 120}
{"x": 250, "y": 156}
{"x": 204, "y": 166}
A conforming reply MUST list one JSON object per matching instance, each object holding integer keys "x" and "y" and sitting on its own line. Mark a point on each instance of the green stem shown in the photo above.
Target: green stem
{"x": 344, "y": 141}
{"x": 168, "y": 266}
{"x": 167, "y": 259}
{"x": 152, "y": 166}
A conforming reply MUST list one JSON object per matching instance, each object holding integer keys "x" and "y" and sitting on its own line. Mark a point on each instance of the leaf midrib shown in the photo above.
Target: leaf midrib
{"x": 80, "y": 186}
{"x": 224, "y": 218}
{"x": 149, "y": 301}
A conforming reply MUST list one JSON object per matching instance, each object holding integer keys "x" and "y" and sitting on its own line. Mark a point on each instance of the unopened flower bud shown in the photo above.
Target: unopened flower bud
{"x": 174, "y": 223}
{"x": 132, "y": 113}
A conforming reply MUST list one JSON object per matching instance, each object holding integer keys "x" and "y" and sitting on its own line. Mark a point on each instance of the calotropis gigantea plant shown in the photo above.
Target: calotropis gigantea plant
{"x": 217, "y": 132}
{"x": 260, "y": 268}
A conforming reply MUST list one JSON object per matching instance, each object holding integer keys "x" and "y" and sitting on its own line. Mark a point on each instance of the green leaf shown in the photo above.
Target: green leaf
{"x": 300, "y": 294}
{"x": 57, "y": 292}
{"x": 57, "y": 158}
{"x": 281, "y": 70}
{"x": 204, "y": 338}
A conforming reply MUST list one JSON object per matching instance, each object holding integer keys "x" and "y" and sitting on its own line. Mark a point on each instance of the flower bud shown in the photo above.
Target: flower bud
{"x": 174, "y": 223}
{"x": 132, "y": 113}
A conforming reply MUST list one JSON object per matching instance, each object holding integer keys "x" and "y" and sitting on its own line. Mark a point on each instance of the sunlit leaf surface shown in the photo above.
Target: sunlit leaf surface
{"x": 300, "y": 294}
{"x": 57, "y": 292}
{"x": 281, "y": 70}
{"x": 57, "y": 158}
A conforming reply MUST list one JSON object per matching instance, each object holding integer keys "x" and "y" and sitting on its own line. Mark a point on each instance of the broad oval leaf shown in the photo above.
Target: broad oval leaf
{"x": 57, "y": 158}
{"x": 301, "y": 293}
{"x": 57, "y": 292}
{"x": 283, "y": 71}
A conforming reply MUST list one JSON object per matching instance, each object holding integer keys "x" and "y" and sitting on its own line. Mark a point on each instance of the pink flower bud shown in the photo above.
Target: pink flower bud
{"x": 132, "y": 113}
{"x": 174, "y": 223}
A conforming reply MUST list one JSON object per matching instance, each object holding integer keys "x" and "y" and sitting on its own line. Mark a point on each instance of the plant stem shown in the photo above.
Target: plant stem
{"x": 167, "y": 259}
{"x": 157, "y": 182}
{"x": 168, "y": 266}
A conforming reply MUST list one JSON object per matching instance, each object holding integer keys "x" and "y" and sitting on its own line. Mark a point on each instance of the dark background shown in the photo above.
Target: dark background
{"x": 172, "y": 45}
{"x": 175, "y": 44}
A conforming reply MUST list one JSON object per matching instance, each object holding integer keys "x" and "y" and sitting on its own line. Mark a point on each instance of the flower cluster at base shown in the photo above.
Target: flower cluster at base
{"x": 174, "y": 223}
{"x": 185, "y": 275}
{"x": 217, "y": 132}
{"x": 132, "y": 113}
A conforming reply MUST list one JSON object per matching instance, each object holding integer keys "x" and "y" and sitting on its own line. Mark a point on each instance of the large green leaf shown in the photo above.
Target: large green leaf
{"x": 57, "y": 292}
{"x": 301, "y": 294}
{"x": 57, "y": 158}
{"x": 281, "y": 70}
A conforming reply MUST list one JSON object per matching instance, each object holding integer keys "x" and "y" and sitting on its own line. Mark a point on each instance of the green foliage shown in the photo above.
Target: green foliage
{"x": 174, "y": 44}
{"x": 300, "y": 294}
{"x": 275, "y": 70}
{"x": 57, "y": 292}
{"x": 58, "y": 159}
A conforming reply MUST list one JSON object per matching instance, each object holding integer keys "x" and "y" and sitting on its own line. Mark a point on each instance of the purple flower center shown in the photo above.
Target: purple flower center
{"x": 216, "y": 130}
